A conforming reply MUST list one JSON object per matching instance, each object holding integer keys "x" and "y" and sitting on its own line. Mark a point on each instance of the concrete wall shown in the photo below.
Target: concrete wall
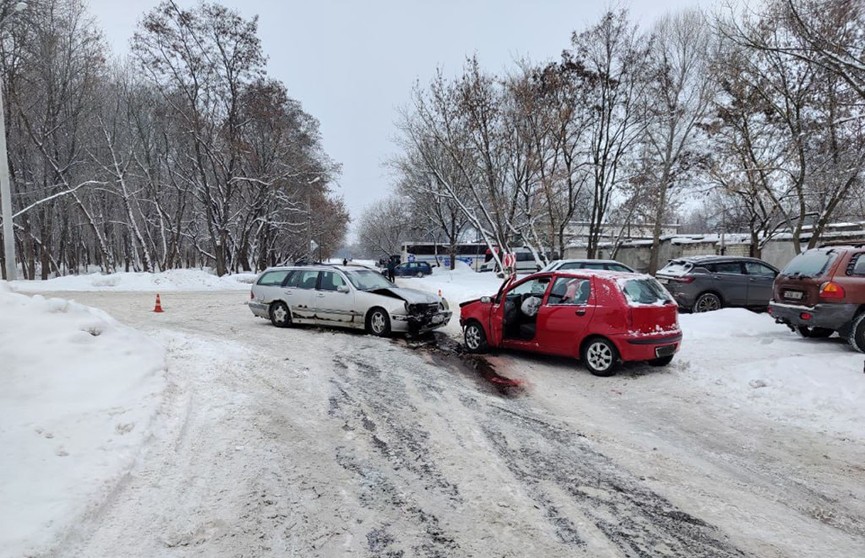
{"x": 775, "y": 252}
{"x": 778, "y": 252}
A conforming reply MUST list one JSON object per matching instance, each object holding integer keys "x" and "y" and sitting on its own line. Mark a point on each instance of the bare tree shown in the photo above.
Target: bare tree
{"x": 203, "y": 60}
{"x": 383, "y": 227}
{"x": 613, "y": 54}
{"x": 456, "y": 129}
{"x": 816, "y": 116}
{"x": 555, "y": 100}
{"x": 58, "y": 62}
{"x": 434, "y": 215}
{"x": 678, "y": 97}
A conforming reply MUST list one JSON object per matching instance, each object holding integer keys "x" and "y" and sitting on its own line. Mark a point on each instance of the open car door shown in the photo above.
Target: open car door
{"x": 497, "y": 312}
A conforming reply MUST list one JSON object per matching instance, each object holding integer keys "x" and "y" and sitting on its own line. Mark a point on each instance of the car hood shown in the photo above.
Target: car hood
{"x": 412, "y": 296}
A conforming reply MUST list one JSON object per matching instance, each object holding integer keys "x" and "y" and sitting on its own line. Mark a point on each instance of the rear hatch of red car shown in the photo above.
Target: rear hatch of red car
{"x": 651, "y": 309}
{"x": 803, "y": 280}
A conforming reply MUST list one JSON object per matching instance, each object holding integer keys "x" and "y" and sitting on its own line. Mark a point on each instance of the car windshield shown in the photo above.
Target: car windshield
{"x": 581, "y": 265}
{"x": 676, "y": 267}
{"x": 367, "y": 280}
{"x": 644, "y": 291}
{"x": 809, "y": 264}
{"x": 619, "y": 267}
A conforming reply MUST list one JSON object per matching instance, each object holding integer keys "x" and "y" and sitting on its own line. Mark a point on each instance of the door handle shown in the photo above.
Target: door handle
{"x": 580, "y": 312}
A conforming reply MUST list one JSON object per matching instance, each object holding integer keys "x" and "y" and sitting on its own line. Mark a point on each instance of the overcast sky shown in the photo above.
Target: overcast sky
{"x": 352, "y": 63}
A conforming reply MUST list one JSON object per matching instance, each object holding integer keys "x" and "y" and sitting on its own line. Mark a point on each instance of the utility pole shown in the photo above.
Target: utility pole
{"x": 5, "y": 188}
{"x": 310, "y": 248}
{"x": 6, "y": 198}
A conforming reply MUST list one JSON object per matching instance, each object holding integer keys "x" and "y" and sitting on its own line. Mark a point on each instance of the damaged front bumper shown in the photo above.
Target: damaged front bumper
{"x": 422, "y": 317}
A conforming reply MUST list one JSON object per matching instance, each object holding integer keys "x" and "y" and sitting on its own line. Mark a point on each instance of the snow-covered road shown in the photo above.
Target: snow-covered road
{"x": 308, "y": 442}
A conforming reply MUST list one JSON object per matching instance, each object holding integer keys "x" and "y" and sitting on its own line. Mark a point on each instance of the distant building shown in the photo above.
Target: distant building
{"x": 577, "y": 232}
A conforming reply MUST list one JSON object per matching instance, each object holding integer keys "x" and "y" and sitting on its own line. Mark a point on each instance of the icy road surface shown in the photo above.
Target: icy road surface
{"x": 309, "y": 442}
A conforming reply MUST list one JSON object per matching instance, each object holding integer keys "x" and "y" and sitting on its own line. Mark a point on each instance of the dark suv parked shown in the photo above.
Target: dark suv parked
{"x": 705, "y": 283}
{"x": 822, "y": 291}
{"x": 412, "y": 269}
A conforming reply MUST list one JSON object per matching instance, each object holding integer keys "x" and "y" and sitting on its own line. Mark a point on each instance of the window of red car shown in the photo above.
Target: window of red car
{"x": 644, "y": 290}
{"x": 570, "y": 290}
{"x": 537, "y": 286}
{"x": 858, "y": 265}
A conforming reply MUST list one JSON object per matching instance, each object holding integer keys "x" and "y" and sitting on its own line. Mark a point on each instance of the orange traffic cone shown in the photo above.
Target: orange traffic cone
{"x": 158, "y": 307}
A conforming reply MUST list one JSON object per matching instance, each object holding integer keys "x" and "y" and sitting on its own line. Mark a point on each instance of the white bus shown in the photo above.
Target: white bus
{"x": 474, "y": 254}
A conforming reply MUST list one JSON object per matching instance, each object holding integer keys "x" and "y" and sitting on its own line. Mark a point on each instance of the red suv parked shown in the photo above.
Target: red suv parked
{"x": 600, "y": 317}
{"x": 822, "y": 291}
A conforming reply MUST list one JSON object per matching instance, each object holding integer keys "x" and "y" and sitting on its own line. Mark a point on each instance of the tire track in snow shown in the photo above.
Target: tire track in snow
{"x": 638, "y": 521}
{"x": 362, "y": 400}
{"x": 571, "y": 484}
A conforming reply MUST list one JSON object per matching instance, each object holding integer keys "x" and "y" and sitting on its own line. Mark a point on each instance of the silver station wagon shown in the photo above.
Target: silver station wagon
{"x": 344, "y": 296}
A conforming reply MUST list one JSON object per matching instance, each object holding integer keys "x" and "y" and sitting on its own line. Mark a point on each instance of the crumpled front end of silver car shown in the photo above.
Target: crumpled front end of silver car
{"x": 422, "y": 316}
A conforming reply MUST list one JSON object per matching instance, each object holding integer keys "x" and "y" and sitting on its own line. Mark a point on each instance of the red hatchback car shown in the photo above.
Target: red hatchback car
{"x": 600, "y": 317}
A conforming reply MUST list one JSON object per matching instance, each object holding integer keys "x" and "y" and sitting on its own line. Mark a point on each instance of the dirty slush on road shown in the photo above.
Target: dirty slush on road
{"x": 588, "y": 503}
{"x": 318, "y": 443}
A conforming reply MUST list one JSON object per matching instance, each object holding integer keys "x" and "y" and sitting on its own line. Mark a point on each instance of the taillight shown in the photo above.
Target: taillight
{"x": 251, "y": 295}
{"x": 684, "y": 279}
{"x": 831, "y": 290}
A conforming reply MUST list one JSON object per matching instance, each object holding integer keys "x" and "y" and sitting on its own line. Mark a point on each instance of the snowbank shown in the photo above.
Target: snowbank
{"x": 79, "y": 393}
{"x": 817, "y": 384}
{"x": 166, "y": 281}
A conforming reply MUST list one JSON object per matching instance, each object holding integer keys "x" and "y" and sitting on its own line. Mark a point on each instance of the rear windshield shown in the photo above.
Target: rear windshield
{"x": 676, "y": 267}
{"x": 644, "y": 291}
{"x": 809, "y": 264}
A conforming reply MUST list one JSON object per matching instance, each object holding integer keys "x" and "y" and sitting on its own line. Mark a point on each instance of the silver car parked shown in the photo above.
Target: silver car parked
{"x": 608, "y": 265}
{"x": 344, "y": 296}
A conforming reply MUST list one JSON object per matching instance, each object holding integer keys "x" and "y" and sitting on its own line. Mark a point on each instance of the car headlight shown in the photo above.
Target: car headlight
{"x": 444, "y": 304}
{"x": 406, "y": 306}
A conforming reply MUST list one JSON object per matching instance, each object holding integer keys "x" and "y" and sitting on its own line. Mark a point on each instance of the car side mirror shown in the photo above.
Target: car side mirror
{"x": 486, "y": 299}
{"x": 342, "y": 288}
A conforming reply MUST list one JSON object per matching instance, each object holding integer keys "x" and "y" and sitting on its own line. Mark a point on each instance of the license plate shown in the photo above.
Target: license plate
{"x": 793, "y": 295}
{"x": 665, "y": 350}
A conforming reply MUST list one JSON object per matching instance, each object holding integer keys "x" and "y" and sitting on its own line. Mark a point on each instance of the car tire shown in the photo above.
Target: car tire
{"x": 419, "y": 274}
{"x": 600, "y": 356}
{"x": 857, "y": 334}
{"x": 280, "y": 315}
{"x": 814, "y": 332}
{"x": 661, "y": 361}
{"x": 475, "y": 337}
{"x": 378, "y": 322}
{"x": 707, "y": 302}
